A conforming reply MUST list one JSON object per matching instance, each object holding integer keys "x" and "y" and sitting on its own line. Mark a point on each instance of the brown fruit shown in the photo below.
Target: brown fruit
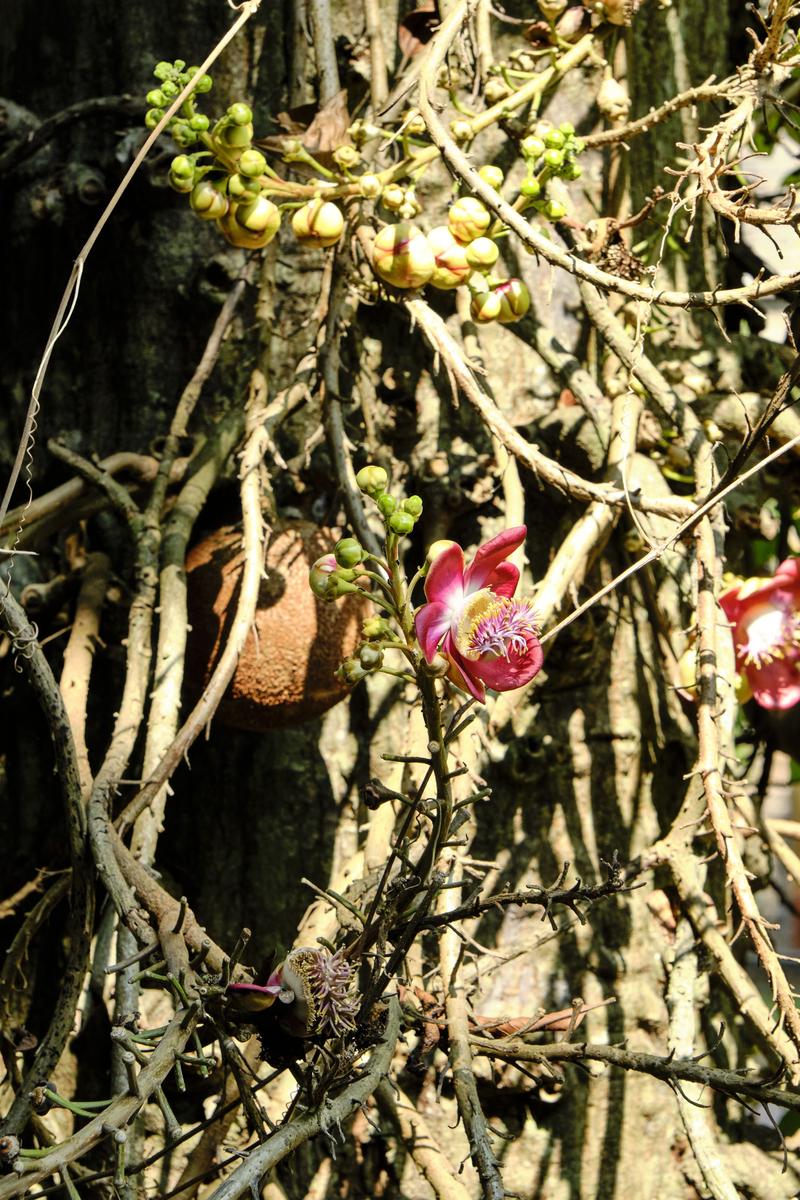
{"x": 286, "y": 671}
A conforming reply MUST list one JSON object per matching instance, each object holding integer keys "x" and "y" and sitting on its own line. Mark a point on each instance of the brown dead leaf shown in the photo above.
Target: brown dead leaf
{"x": 416, "y": 28}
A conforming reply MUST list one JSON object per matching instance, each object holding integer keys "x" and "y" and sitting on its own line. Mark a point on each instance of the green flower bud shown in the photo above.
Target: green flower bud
{"x": 492, "y": 175}
{"x": 375, "y": 627}
{"x": 401, "y": 255}
{"x": 208, "y": 201}
{"x": 567, "y": 128}
{"x": 554, "y": 139}
{"x": 532, "y": 147}
{"x": 252, "y": 163}
{"x": 183, "y": 136}
{"x": 553, "y": 158}
{"x": 152, "y": 117}
{"x": 240, "y": 114}
{"x": 182, "y": 167}
{"x": 204, "y": 83}
{"x": 235, "y": 137}
{"x": 318, "y": 223}
{"x": 346, "y": 157}
{"x": 370, "y": 657}
{"x": 239, "y": 187}
{"x": 495, "y": 89}
{"x": 348, "y": 552}
{"x": 178, "y": 65}
{"x": 351, "y": 672}
{"x": 238, "y": 235}
{"x": 578, "y": 146}
{"x": 155, "y": 98}
{"x": 482, "y": 254}
{"x": 468, "y": 218}
{"x": 530, "y": 187}
{"x": 401, "y": 522}
{"x": 199, "y": 122}
{"x": 413, "y": 506}
{"x": 386, "y": 504}
{"x": 372, "y": 480}
{"x": 370, "y": 187}
{"x": 320, "y": 577}
{"x": 163, "y": 70}
{"x": 571, "y": 171}
{"x": 170, "y": 88}
{"x": 554, "y": 210}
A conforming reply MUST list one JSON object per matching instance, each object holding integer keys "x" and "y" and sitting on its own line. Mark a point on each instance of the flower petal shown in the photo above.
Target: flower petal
{"x": 432, "y": 623}
{"x": 775, "y": 684}
{"x": 461, "y": 675}
{"x": 788, "y": 573}
{"x": 504, "y": 579}
{"x": 489, "y": 556}
{"x": 504, "y": 674}
{"x": 445, "y": 579}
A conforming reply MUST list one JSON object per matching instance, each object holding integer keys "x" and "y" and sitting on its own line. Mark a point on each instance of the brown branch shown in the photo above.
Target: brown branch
{"x": 25, "y": 147}
{"x": 79, "y": 924}
{"x": 415, "y": 1133}
{"x": 116, "y": 1116}
{"x": 623, "y": 133}
{"x": 79, "y": 657}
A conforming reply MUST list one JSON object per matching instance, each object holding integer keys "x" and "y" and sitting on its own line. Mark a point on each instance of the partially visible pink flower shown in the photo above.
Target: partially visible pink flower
{"x": 472, "y": 617}
{"x": 765, "y": 616}
{"x": 315, "y": 990}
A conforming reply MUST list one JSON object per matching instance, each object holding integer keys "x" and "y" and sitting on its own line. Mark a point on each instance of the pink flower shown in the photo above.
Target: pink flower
{"x": 488, "y": 637}
{"x": 765, "y": 615}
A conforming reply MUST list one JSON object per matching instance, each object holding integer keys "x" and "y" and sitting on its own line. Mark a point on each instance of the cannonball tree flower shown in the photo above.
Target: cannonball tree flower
{"x": 765, "y": 616}
{"x": 488, "y": 636}
{"x": 314, "y": 990}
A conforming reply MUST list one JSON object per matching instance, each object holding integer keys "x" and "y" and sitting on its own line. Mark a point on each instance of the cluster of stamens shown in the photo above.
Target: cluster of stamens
{"x": 773, "y": 634}
{"x": 328, "y": 980}
{"x": 496, "y": 625}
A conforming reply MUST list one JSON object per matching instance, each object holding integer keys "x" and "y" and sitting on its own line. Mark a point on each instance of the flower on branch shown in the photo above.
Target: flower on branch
{"x": 488, "y": 636}
{"x": 765, "y": 616}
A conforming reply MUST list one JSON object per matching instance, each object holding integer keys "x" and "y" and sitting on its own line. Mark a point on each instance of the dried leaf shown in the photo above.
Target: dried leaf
{"x": 416, "y": 28}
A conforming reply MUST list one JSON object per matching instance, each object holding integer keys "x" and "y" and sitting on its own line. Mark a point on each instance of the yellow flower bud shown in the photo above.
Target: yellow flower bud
{"x": 346, "y": 157}
{"x": 461, "y": 130}
{"x": 318, "y": 223}
{"x": 259, "y": 216}
{"x": 401, "y": 256}
{"x": 491, "y": 175}
{"x": 370, "y": 187}
{"x": 393, "y": 197}
{"x": 208, "y": 201}
{"x": 451, "y": 267}
{"x": 468, "y": 219}
{"x": 482, "y": 254}
{"x": 413, "y": 123}
{"x": 247, "y": 239}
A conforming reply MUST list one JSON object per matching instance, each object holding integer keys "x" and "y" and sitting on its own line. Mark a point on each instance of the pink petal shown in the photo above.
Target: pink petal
{"x": 504, "y": 579}
{"x": 490, "y": 555}
{"x": 432, "y": 623}
{"x": 445, "y": 579}
{"x": 788, "y": 573}
{"x": 461, "y": 674}
{"x": 776, "y": 684}
{"x": 271, "y": 989}
{"x": 503, "y": 674}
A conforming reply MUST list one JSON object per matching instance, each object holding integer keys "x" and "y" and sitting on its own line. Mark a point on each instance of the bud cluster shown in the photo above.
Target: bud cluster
{"x": 549, "y": 153}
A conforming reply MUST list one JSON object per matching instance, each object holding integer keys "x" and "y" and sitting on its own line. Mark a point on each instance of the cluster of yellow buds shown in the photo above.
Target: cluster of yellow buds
{"x": 460, "y": 252}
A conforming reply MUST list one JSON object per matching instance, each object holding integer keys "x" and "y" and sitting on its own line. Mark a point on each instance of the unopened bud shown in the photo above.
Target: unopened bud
{"x": 370, "y": 187}
{"x": 370, "y": 658}
{"x": 346, "y": 157}
{"x": 413, "y": 506}
{"x": 468, "y": 218}
{"x": 252, "y": 163}
{"x": 240, "y": 114}
{"x": 485, "y": 307}
{"x": 452, "y": 267}
{"x": 372, "y": 479}
{"x": 401, "y": 256}
{"x": 461, "y": 130}
{"x": 613, "y": 100}
{"x": 348, "y": 552}
{"x": 401, "y": 523}
{"x": 318, "y": 223}
{"x": 351, "y": 672}
{"x": 492, "y": 175}
{"x": 320, "y": 576}
{"x": 375, "y": 627}
{"x": 259, "y": 216}
{"x": 393, "y": 197}
{"x": 515, "y": 300}
{"x": 482, "y": 254}
{"x": 208, "y": 201}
